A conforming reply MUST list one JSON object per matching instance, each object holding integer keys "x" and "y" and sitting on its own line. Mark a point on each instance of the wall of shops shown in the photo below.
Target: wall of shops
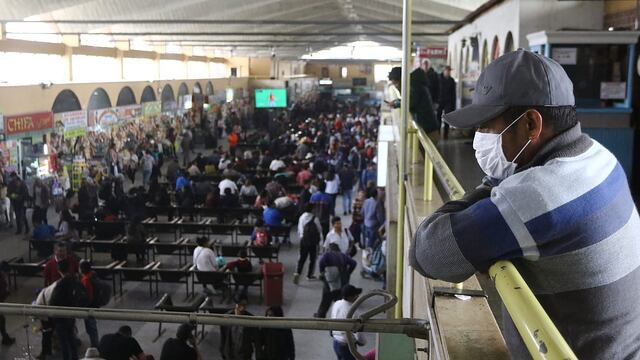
{"x": 332, "y": 70}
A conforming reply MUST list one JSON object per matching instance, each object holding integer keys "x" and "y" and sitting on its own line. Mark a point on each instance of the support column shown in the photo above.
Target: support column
{"x": 2, "y": 31}
{"x": 407, "y": 6}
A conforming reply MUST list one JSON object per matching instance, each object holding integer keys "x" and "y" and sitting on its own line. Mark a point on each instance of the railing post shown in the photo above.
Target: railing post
{"x": 427, "y": 193}
{"x": 415, "y": 152}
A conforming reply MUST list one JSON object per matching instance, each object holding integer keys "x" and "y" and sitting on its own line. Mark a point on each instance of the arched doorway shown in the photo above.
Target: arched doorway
{"x": 182, "y": 91}
{"x": 495, "y": 48}
{"x": 99, "y": 100}
{"x": 197, "y": 89}
{"x": 147, "y": 95}
{"x": 66, "y": 101}
{"x": 485, "y": 55}
{"x": 208, "y": 89}
{"x": 168, "y": 98}
{"x": 126, "y": 97}
{"x": 508, "y": 43}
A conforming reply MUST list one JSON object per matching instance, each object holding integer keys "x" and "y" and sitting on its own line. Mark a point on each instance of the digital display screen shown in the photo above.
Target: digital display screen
{"x": 271, "y": 98}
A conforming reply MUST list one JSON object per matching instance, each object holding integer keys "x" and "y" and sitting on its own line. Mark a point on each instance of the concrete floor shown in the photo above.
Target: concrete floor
{"x": 299, "y": 301}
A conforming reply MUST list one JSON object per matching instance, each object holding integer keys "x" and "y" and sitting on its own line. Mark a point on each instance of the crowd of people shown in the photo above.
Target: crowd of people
{"x": 296, "y": 175}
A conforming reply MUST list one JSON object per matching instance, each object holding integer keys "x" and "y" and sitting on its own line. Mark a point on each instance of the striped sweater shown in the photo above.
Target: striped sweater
{"x": 569, "y": 224}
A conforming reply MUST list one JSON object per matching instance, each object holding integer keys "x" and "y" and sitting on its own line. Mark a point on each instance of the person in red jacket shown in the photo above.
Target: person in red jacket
{"x": 60, "y": 251}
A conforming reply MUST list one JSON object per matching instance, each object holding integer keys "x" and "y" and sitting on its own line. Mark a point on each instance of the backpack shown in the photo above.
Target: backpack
{"x": 310, "y": 233}
{"x": 69, "y": 292}
{"x": 101, "y": 292}
{"x": 262, "y": 238}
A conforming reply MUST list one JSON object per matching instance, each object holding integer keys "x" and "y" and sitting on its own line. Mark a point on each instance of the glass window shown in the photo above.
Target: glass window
{"x": 197, "y": 70}
{"x": 21, "y": 31}
{"x": 136, "y": 69}
{"x": 172, "y": 69}
{"x": 25, "y": 68}
{"x": 97, "y": 40}
{"x": 598, "y": 72}
{"x": 95, "y": 68}
{"x": 344, "y": 72}
{"x": 381, "y": 72}
{"x": 217, "y": 70}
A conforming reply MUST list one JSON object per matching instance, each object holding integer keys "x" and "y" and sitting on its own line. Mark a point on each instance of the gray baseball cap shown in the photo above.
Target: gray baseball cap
{"x": 519, "y": 78}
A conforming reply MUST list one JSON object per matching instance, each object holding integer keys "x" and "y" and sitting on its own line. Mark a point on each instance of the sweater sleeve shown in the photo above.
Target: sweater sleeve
{"x": 452, "y": 245}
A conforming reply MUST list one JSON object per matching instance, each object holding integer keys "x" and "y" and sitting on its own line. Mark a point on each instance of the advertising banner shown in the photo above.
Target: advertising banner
{"x": 74, "y": 123}
{"x": 16, "y": 124}
{"x": 129, "y": 112}
{"x": 151, "y": 109}
{"x": 106, "y": 118}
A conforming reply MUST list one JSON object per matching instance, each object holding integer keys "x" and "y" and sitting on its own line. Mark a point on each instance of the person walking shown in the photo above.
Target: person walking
{"x": 87, "y": 278}
{"x": 369, "y": 213}
{"x": 310, "y": 235}
{"x": 148, "y": 161}
{"x": 447, "y": 97}
{"x": 339, "y": 310}
{"x": 19, "y": 194}
{"x": 335, "y": 271}
{"x": 41, "y": 200}
{"x": 347, "y": 181}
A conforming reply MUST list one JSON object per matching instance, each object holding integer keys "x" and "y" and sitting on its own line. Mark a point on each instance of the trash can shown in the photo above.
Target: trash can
{"x": 273, "y": 274}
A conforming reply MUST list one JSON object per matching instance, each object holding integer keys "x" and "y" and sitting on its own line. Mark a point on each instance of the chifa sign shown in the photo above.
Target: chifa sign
{"x": 16, "y": 124}
{"x": 433, "y": 52}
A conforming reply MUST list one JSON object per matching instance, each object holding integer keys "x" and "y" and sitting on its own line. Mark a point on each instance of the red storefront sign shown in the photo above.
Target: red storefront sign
{"x": 16, "y": 124}
{"x": 433, "y": 52}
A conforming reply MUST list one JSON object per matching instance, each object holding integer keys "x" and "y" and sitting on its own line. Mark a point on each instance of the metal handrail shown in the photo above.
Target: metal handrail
{"x": 541, "y": 337}
{"x": 410, "y": 327}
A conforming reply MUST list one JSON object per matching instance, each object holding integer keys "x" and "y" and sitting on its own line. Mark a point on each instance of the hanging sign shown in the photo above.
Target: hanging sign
{"x": 16, "y": 124}
{"x": 74, "y": 123}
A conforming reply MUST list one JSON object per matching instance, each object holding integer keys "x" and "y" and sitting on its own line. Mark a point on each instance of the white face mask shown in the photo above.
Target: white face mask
{"x": 490, "y": 155}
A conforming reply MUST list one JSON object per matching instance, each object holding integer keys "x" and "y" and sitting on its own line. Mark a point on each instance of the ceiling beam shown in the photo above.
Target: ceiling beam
{"x": 292, "y": 34}
{"x": 234, "y": 22}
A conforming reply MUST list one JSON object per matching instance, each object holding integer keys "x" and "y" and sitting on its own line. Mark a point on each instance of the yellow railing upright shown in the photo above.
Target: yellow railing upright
{"x": 540, "y": 335}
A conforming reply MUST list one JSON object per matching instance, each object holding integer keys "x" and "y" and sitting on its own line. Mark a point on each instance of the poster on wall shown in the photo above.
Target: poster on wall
{"x": 74, "y": 123}
{"x": 16, "y": 124}
{"x": 565, "y": 56}
{"x": 129, "y": 112}
{"x": 151, "y": 109}
{"x": 105, "y": 118}
{"x": 616, "y": 90}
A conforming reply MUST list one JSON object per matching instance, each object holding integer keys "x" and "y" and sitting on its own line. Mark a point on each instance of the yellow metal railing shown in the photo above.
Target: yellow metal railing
{"x": 540, "y": 335}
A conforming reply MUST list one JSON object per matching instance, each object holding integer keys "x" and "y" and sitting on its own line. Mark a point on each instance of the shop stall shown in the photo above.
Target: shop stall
{"x": 602, "y": 66}
{"x": 27, "y": 142}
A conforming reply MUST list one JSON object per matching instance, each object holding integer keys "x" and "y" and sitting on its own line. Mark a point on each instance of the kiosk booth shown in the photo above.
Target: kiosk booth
{"x": 602, "y": 66}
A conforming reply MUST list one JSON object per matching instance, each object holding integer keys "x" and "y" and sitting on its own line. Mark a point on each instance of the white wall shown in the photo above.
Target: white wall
{"x": 538, "y": 15}
{"x": 523, "y": 17}
{"x": 498, "y": 21}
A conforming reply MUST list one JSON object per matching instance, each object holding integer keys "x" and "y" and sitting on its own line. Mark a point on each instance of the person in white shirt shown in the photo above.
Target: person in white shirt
{"x": 332, "y": 188}
{"x": 338, "y": 235}
{"x": 276, "y": 164}
{"x": 308, "y": 249}
{"x": 339, "y": 310}
{"x": 227, "y": 183}
{"x": 203, "y": 257}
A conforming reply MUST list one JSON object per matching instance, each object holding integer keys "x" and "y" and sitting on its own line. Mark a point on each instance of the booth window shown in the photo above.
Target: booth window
{"x": 598, "y": 72}
{"x": 343, "y": 72}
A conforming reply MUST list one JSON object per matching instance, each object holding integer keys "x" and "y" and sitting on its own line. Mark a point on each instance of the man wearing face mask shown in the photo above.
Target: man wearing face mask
{"x": 554, "y": 202}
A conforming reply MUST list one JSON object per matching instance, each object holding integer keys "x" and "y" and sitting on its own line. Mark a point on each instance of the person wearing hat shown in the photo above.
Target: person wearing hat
{"x": 446, "y": 97}
{"x": 238, "y": 342}
{"x": 339, "y": 310}
{"x": 184, "y": 346}
{"x": 554, "y": 202}
{"x": 420, "y": 101}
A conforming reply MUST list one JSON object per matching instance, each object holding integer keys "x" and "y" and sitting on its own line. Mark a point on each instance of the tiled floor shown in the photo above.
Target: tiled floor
{"x": 299, "y": 301}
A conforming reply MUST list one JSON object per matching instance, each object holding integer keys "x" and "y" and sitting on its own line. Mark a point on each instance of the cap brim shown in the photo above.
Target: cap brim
{"x": 473, "y": 115}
